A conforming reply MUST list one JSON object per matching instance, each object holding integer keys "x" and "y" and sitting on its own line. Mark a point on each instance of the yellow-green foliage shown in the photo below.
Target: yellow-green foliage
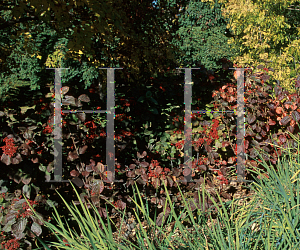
{"x": 266, "y": 32}
{"x": 55, "y": 59}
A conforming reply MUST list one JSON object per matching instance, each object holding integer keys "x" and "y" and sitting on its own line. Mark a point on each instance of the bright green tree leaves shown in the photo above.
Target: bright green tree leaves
{"x": 267, "y": 32}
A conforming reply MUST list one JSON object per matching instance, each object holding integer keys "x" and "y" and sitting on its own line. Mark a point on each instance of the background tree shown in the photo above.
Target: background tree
{"x": 128, "y": 34}
{"x": 266, "y": 32}
{"x": 201, "y": 35}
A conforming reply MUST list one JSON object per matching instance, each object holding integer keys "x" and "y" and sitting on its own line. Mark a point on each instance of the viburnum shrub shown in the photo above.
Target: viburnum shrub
{"x": 149, "y": 141}
{"x": 270, "y": 113}
{"x": 268, "y": 110}
{"x": 16, "y": 216}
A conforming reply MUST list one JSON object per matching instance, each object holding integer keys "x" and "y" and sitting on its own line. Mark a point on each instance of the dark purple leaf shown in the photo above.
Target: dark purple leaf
{"x": 74, "y": 173}
{"x": 263, "y": 133}
{"x": 158, "y": 170}
{"x": 154, "y": 200}
{"x": 183, "y": 180}
{"x": 141, "y": 155}
{"x": 102, "y": 212}
{"x": 120, "y": 204}
{"x": 26, "y": 180}
{"x": 161, "y": 218}
{"x": 253, "y": 153}
{"x": 282, "y": 138}
{"x": 69, "y": 100}
{"x": 176, "y": 172}
{"x": 192, "y": 205}
{"x": 296, "y": 116}
{"x": 170, "y": 181}
{"x": 39, "y": 219}
{"x": 19, "y": 226}
{"x": 132, "y": 166}
{"x": 72, "y": 156}
{"x": 290, "y": 129}
{"x": 85, "y": 173}
{"x": 6, "y": 159}
{"x": 281, "y": 97}
{"x": 144, "y": 177}
{"x": 83, "y": 149}
{"x": 258, "y": 137}
{"x": 99, "y": 168}
{"x": 130, "y": 174}
{"x": 144, "y": 164}
{"x": 285, "y": 120}
{"x": 271, "y": 106}
{"x": 109, "y": 176}
{"x": 202, "y": 167}
{"x": 155, "y": 182}
{"x": 101, "y": 186}
{"x": 95, "y": 199}
{"x": 64, "y": 90}
{"x": 9, "y": 216}
{"x": 77, "y": 181}
{"x": 78, "y": 103}
{"x": 81, "y": 116}
{"x": 265, "y": 77}
{"x": 138, "y": 171}
{"x": 251, "y": 118}
{"x": 187, "y": 171}
{"x": 17, "y": 159}
{"x": 36, "y": 228}
{"x": 84, "y": 98}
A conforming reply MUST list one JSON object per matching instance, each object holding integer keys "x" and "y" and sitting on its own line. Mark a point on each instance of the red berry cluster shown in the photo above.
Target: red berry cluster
{"x": 179, "y": 144}
{"x": 92, "y": 129}
{"x": 25, "y": 211}
{"x": 213, "y": 134}
{"x": 11, "y": 244}
{"x": 47, "y": 130}
{"x": 152, "y": 173}
{"x": 221, "y": 177}
{"x": 9, "y": 149}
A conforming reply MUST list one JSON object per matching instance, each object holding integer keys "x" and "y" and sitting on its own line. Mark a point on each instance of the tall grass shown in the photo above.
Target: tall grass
{"x": 270, "y": 220}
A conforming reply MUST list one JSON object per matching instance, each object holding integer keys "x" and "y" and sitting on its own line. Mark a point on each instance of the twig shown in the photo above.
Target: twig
{"x": 77, "y": 151}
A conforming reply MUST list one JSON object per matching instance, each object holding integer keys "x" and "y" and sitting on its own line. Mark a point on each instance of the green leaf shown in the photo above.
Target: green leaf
{"x": 223, "y": 149}
{"x": 26, "y": 190}
{"x": 151, "y": 140}
{"x": 42, "y": 168}
{"x": 154, "y": 111}
{"x": 148, "y": 94}
{"x": 141, "y": 99}
{"x": 153, "y": 100}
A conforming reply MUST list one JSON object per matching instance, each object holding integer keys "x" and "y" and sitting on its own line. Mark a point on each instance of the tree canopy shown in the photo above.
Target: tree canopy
{"x": 128, "y": 34}
{"x": 266, "y": 32}
{"x": 85, "y": 35}
{"x": 201, "y": 35}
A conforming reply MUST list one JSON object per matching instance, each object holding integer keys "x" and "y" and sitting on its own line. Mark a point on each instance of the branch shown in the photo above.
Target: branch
{"x": 11, "y": 23}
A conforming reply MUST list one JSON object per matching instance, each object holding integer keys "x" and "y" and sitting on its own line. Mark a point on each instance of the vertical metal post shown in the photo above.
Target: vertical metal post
{"x": 110, "y": 147}
{"x": 57, "y": 132}
{"x": 241, "y": 161}
{"x": 187, "y": 120}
